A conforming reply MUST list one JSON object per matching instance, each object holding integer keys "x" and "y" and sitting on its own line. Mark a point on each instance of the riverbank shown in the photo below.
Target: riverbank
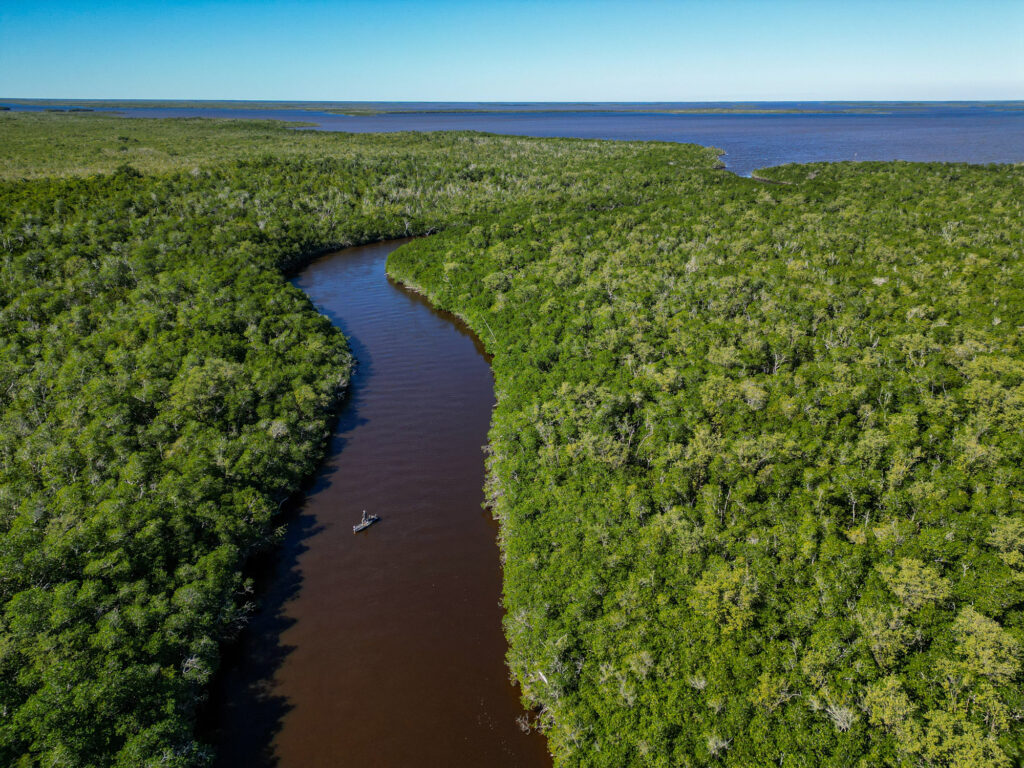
{"x": 400, "y": 624}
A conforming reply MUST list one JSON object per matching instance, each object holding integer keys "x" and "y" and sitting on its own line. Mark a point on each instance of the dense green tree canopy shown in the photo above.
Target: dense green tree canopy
{"x": 757, "y": 454}
{"x": 757, "y": 457}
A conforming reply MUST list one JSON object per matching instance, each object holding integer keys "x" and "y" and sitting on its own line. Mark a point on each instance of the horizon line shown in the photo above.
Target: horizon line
{"x": 524, "y": 101}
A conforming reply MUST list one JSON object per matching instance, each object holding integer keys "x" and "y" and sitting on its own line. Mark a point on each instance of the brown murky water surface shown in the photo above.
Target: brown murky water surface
{"x": 384, "y": 648}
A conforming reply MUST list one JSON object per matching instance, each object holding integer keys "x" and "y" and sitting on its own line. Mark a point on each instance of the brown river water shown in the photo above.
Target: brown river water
{"x": 383, "y": 648}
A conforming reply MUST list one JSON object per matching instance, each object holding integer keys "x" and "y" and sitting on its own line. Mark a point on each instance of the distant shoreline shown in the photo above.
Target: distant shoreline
{"x": 377, "y": 109}
{"x": 653, "y": 111}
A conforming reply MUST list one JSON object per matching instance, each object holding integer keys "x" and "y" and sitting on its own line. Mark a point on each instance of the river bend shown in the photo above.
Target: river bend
{"x": 384, "y": 648}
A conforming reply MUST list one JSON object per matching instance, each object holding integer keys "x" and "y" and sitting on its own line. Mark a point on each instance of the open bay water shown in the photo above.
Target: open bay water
{"x": 752, "y": 141}
{"x": 771, "y": 133}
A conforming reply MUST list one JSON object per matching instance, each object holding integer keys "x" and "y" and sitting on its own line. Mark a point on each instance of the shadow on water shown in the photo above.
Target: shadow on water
{"x": 361, "y": 355}
{"x": 255, "y": 656}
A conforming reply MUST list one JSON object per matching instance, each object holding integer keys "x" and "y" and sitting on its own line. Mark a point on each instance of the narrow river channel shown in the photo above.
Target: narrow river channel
{"x": 384, "y": 648}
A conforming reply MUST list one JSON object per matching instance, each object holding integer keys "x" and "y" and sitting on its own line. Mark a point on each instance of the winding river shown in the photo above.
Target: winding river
{"x": 384, "y": 648}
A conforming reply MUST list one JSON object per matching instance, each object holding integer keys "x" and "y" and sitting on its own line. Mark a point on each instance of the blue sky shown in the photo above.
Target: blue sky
{"x": 510, "y": 51}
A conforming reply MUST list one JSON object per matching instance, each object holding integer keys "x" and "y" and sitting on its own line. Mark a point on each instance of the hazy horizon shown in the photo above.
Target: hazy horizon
{"x": 514, "y": 51}
{"x": 498, "y": 102}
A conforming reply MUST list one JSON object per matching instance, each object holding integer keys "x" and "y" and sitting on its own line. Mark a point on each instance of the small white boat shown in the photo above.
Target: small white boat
{"x": 366, "y": 522}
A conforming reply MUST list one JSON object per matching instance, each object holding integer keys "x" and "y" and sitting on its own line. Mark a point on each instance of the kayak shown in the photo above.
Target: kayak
{"x": 365, "y": 523}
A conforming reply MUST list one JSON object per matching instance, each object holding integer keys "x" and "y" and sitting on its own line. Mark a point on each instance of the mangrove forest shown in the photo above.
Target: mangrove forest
{"x": 757, "y": 456}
